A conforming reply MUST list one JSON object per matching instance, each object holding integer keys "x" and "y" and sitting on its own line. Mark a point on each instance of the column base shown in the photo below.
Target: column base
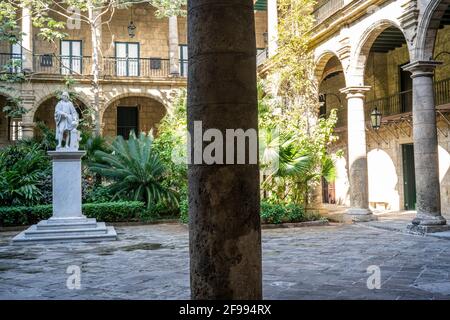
{"x": 317, "y": 209}
{"x": 429, "y": 220}
{"x": 426, "y": 229}
{"x": 425, "y": 223}
{"x": 359, "y": 215}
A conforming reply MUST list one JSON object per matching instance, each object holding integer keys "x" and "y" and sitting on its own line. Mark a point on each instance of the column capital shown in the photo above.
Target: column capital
{"x": 422, "y": 68}
{"x": 355, "y": 91}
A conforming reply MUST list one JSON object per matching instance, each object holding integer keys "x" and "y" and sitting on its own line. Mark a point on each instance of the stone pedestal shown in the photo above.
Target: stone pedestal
{"x": 67, "y": 222}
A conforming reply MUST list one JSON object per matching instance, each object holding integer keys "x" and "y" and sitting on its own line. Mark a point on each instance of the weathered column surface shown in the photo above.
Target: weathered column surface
{"x": 357, "y": 155}
{"x": 28, "y": 99}
{"x": 27, "y": 40}
{"x": 429, "y": 218}
{"x": 272, "y": 26}
{"x": 224, "y": 226}
{"x": 173, "y": 46}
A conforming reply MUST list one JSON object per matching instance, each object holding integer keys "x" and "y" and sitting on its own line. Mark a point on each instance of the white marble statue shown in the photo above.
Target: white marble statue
{"x": 66, "y": 118}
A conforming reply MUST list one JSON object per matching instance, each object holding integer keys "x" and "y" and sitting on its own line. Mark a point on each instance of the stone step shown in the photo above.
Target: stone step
{"x": 107, "y": 234}
{"x": 67, "y": 224}
{"x": 34, "y": 232}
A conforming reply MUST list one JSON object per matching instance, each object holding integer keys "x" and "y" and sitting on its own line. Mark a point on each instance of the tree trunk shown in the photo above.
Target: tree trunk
{"x": 95, "y": 23}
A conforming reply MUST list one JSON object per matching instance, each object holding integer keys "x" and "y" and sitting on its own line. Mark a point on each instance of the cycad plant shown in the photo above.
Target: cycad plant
{"x": 135, "y": 170}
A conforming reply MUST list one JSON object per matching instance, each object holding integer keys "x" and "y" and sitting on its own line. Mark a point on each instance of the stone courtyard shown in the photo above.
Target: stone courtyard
{"x": 151, "y": 262}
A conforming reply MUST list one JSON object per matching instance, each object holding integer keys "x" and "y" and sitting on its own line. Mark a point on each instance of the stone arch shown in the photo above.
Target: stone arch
{"x": 130, "y": 93}
{"x": 321, "y": 63}
{"x": 81, "y": 97}
{"x": 43, "y": 110}
{"x": 427, "y": 29}
{"x": 150, "y": 112}
{"x": 363, "y": 47}
{"x": 330, "y": 79}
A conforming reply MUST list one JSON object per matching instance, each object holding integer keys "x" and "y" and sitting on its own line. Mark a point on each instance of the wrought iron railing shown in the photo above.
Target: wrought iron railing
{"x": 115, "y": 67}
{"x": 400, "y": 102}
{"x": 10, "y": 62}
{"x": 183, "y": 68}
{"x": 61, "y": 65}
{"x": 136, "y": 67}
{"x": 326, "y": 8}
{"x": 442, "y": 92}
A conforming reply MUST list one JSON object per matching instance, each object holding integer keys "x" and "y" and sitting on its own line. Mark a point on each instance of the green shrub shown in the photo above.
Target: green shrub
{"x": 23, "y": 168}
{"x": 184, "y": 210}
{"x": 107, "y": 212}
{"x": 98, "y": 194}
{"x": 284, "y": 213}
{"x": 114, "y": 211}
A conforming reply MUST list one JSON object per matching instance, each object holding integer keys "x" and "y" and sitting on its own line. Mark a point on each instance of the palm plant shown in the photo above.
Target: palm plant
{"x": 22, "y": 169}
{"x": 288, "y": 169}
{"x": 135, "y": 170}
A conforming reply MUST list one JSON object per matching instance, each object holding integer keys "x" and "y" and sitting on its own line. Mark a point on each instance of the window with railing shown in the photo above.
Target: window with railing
{"x": 127, "y": 59}
{"x": 183, "y": 60}
{"x": 71, "y": 57}
{"x": 326, "y": 8}
{"x": 12, "y": 62}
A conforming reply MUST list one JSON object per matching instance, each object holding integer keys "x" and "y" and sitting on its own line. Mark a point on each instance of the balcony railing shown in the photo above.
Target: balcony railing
{"x": 112, "y": 67}
{"x": 10, "y": 62}
{"x": 399, "y": 103}
{"x": 61, "y": 65}
{"x": 136, "y": 67}
{"x": 326, "y": 8}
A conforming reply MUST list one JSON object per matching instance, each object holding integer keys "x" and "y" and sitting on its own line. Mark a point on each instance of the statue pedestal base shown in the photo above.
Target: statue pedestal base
{"x": 67, "y": 222}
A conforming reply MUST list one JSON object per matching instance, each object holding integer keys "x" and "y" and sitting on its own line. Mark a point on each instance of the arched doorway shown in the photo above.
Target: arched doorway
{"x": 46, "y": 110}
{"x": 132, "y": 113}
{"x": 10, "y": 128}
{"x": 331, "y": 79}
{"x": 383, "y": 54}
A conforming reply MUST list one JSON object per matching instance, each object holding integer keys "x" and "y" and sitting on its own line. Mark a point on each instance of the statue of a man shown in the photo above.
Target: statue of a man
{"x": 66, "y": 118}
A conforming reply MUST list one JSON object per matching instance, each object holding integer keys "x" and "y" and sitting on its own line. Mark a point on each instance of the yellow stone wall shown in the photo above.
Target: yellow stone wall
{"x": 151, "y": 33}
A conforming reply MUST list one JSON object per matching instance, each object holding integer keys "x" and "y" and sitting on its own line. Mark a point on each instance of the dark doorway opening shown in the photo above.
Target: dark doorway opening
{"x": 328, "y": 192}
{"x": 409, "y": 178}
{"x": 127, "y": 121}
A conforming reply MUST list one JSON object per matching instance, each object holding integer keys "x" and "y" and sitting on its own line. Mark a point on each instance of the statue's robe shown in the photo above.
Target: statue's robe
{"x": 64, "y": 123}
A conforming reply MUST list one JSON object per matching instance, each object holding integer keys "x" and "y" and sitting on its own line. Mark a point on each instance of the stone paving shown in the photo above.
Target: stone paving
{"x": 151, "y": 262}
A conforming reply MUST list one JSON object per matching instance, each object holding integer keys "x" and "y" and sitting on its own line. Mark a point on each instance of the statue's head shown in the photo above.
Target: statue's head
{"x": 65, "y": 96}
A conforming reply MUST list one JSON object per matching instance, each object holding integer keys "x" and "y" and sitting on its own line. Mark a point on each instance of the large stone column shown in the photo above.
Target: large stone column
{"x": 173, "y": 46}
{"x": 224, "y": 221}
{"x": 272, "y": 25}
{"x": 27, "y": 40}
{"x": 429, "y": 218}
{"x": 357, "y": 155}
